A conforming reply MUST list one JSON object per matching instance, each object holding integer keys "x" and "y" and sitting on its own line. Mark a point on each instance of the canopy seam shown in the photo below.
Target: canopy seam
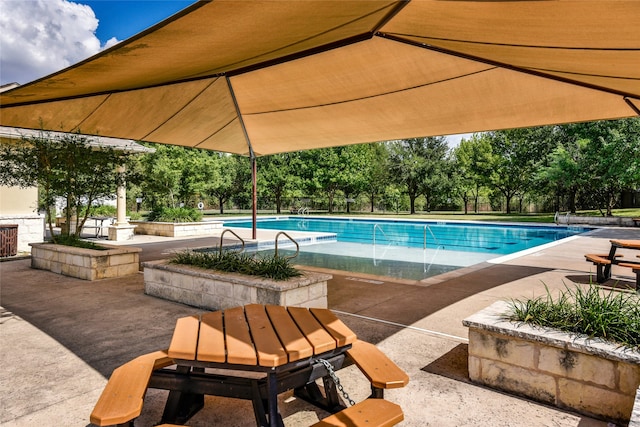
{"x": 215, "y": 133}
{"x": 373, "y": 96}
{"x": 499, "y": 64}
{"x": 77, "y": 127}
{"x": 631, "y": 104}
{"x": 616, "y": 49}
{"x": 181, "y": 108}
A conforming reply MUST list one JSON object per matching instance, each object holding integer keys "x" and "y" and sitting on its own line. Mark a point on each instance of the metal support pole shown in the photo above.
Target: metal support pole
{"x": 252, "y": 156}
{"x": 254, "y": 197}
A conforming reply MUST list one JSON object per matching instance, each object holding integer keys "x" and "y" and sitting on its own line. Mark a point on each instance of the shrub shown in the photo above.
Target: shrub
{"x": 271, "y": 267}
{"x": 165, "y": 214}
{"x": 614, "y": 317}
{"x": 134, "y": 215}
{"x": 74, "y": 240}
{"x": 103, "y": 210}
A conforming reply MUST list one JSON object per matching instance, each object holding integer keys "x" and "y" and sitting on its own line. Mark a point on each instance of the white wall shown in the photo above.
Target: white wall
{"x": 19, "y": 206}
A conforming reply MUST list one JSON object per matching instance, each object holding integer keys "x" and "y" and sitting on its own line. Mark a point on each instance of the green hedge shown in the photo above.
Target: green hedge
{"x": 165, "y": 214}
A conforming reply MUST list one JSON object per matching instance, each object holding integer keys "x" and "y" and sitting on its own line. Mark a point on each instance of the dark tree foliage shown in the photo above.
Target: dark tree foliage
{"x": 67, "y": 166}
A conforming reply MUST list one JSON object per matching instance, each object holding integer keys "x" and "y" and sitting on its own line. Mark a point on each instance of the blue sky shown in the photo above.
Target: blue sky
{"x": 38, "y": 38}
{"x": 122, "y": 19}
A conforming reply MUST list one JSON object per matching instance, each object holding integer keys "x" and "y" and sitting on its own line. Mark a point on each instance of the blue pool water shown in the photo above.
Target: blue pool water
{"x": 487, "y": 238}
{"x": 408, "y": 249}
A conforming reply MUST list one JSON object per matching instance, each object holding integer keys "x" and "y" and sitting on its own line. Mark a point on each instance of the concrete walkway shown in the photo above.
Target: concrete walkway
{"x": 60, "y": 339}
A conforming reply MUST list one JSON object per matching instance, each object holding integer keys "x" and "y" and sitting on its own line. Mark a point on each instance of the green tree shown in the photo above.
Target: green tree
{"x": 562, "y": 174}
{"x": 436, "y": 184}
{"x": 517, "y": 154}
{"x": 63, "y": 165}
{"x": 163, "y": 173}
{"x": 376, "y": 175}
{"x": 321, "y": 171}
{"x": 276, "y": 177}
{"x": 223, "y": 189}
{"x": 472, "y": 165}
{"x": 416, "y": 165}
{"x": 200, "y": 171}
{"x": 610, "y": 159}
{"x": 241, "y": 184}
{"x": 355, "y": 161}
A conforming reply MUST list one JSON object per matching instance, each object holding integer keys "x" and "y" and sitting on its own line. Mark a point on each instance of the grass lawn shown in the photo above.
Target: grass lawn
{"x": 449, "y": 216}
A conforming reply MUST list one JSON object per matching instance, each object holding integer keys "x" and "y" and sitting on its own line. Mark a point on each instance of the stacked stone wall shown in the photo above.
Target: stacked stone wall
{"x": 587, "y": 376}
{"x": 218, "y": 291}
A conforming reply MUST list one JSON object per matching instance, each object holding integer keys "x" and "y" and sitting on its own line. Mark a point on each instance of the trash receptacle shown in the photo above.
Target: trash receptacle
{"x": 8, "y": 240}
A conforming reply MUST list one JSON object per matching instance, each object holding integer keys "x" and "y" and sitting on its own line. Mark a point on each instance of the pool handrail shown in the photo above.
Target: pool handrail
{"x": 235, "y": 234}
{"x": 290, "y": 238}
{"x": 424, "y": 242}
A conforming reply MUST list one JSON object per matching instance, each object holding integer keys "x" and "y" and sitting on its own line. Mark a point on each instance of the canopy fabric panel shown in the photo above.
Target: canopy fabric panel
{"x": 265, "y": 77}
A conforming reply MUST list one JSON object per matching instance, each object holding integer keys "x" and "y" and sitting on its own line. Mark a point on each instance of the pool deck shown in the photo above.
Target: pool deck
{"x": 60, "y": 338}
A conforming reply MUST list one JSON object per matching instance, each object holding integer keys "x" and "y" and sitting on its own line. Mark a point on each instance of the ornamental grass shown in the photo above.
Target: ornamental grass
{"x": 270, "y": 267}
{"x": 612, "y": 316}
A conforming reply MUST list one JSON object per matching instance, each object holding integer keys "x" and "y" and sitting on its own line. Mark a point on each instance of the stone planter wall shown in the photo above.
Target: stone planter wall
{"x": 596, "y": 220}
{"x": 87, "y": 264}
{"x": 215, "y": 290}
{"x": 177, "y": 229}
{"x": 587, "y": 376}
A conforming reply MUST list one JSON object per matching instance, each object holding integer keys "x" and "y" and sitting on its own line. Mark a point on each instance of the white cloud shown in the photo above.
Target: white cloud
{"x": 39, "y": 37}
{"x": 112, "y": 41}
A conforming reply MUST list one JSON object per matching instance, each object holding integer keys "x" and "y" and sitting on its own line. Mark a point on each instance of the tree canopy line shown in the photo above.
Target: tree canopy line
{"x": 554, "y": 168}
{"x": 592, "y": 165}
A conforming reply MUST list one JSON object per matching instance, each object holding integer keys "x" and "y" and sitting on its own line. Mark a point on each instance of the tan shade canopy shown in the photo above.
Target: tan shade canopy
{"x": 275, "y": 76}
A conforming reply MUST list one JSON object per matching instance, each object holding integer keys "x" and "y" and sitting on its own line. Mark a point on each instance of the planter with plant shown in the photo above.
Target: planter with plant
{"x": 81, "y": 171}
{"x": 226, "y": 279}
{"x": 580, "y": 351}
{"x": 176, "y": 222}
{"x": 86, "y": 260}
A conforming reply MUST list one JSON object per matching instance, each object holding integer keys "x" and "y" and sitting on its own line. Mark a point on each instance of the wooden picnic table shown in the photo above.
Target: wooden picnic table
{"x": 615, "y": 245}
{"x": 256, "y": 352}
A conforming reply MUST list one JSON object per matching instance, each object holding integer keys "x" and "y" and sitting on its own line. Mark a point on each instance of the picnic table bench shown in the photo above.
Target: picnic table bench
{"x": 122, "y": 398}
{"x": 289, "y": 348}
{"x": 604, "y": 262}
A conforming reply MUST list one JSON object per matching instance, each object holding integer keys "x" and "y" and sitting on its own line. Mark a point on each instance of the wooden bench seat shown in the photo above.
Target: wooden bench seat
{"x": 381, "y": 372}
{"x": 122, "y": 398}
{"x": 600, "y": 261}
{"x": 600, "y": 258}
{"x": 636, "y": 269}
{"x": 369, "y": 413}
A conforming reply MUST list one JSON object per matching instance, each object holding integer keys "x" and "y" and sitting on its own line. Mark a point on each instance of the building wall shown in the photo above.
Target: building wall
{"x": 20, "y": 206}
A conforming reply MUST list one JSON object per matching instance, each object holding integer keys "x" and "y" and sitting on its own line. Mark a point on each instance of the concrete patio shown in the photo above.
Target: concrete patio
{"x": 60, "y": 338}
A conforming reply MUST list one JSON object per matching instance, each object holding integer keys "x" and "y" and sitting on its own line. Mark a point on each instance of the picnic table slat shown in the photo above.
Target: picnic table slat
{"x": 317, "y": 336}
{"x": 211, "y": 342}
{"x": 185, "y": 338}
{"x": 240, "y": 348}
{"x": 628, "y": 244}
{"x": 291, "y": 337}
{"x": 269, "y": 350}
{"x": 122, "y": 398}
{"x": 340, "y": 332}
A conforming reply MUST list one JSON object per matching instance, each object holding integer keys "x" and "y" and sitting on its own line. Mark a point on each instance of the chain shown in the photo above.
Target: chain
{"x": 336, "y": 380}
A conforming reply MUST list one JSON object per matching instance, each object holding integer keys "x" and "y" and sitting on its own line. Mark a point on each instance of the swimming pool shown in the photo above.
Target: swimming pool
{"x": 409, "y": 248}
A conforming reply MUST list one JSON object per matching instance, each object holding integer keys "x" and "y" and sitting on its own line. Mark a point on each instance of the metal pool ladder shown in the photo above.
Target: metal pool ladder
{"x": 282, "y": 233}
{"x": 227, "y": 230}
